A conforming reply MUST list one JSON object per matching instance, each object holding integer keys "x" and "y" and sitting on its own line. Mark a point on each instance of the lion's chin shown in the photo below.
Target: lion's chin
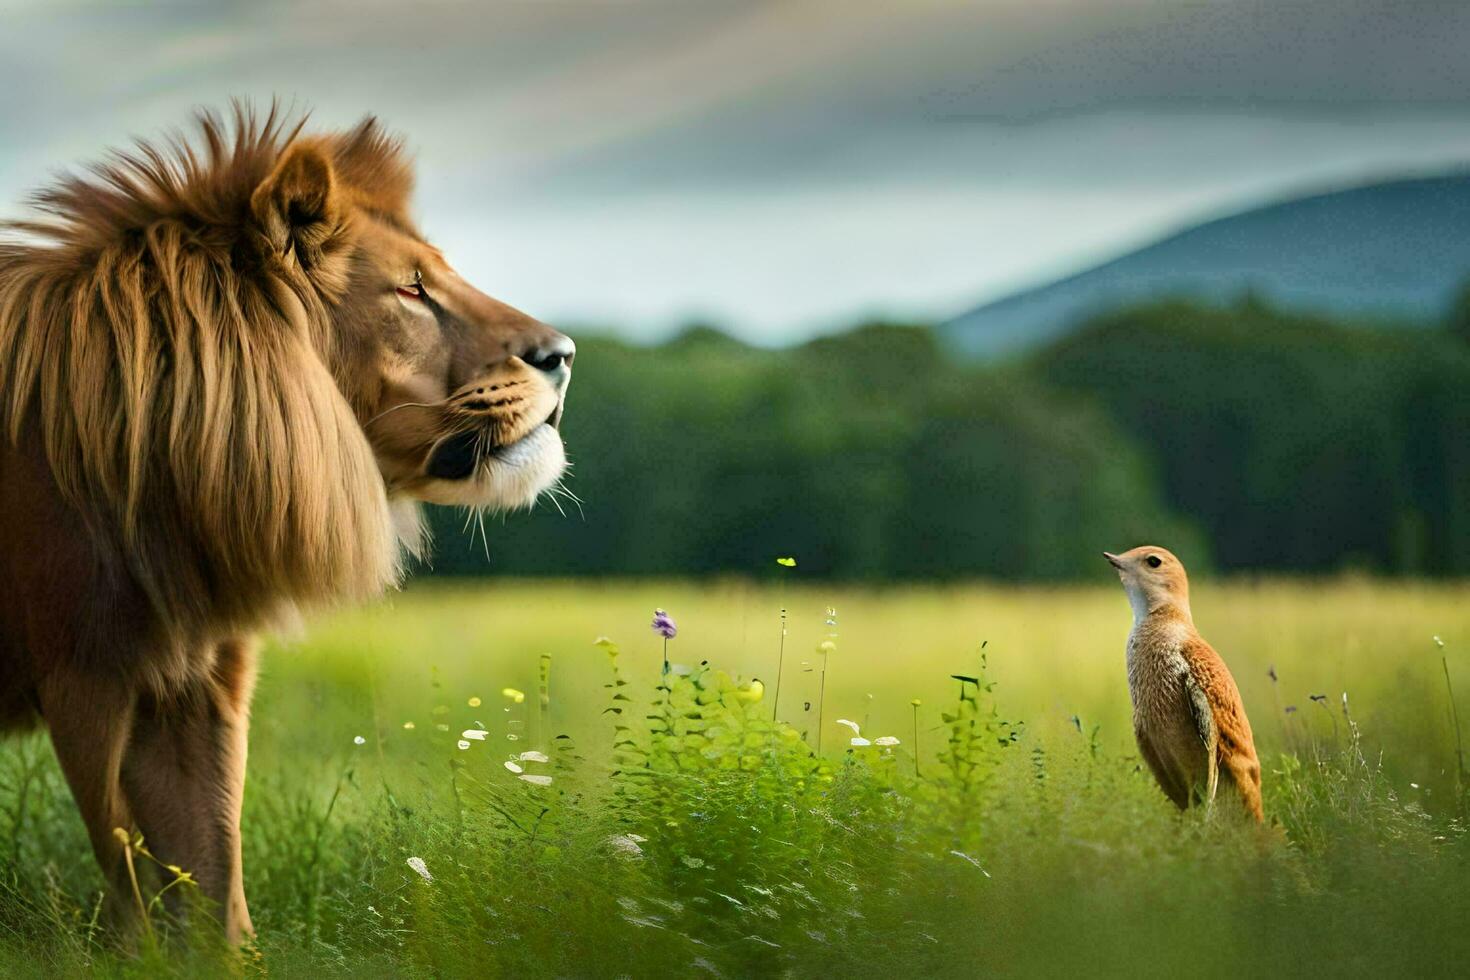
{"x": 508, "y": 478}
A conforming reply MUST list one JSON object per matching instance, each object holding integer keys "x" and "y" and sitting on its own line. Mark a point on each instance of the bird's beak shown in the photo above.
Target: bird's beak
{"x": 1112, "y": 559}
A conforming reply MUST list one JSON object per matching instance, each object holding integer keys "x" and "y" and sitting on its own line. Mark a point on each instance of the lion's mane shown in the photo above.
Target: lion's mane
{"x": 169, "y": 351}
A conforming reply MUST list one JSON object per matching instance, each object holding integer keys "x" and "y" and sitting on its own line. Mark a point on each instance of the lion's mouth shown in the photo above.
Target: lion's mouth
{"x": 458, "y": 456}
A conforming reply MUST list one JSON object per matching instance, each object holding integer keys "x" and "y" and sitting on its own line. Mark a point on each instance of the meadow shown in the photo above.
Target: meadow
{"x": 675, "y": 829}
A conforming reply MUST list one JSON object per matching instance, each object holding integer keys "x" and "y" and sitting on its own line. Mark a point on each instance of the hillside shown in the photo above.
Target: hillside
{"x": 1394, "y": 252}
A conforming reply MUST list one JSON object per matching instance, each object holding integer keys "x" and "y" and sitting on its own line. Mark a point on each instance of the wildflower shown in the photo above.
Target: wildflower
{"x": 787, "y": 562}
{"x": 534, "y": 757}
{"x": 1438, "y": 642}
{"x": 536, "y": 780}
{"x": 826, "y": 646}
{"x": 408, "y": 726}
{"x": 417, "y": 864}
{"x": 478, "y": 734}
{"x": 850, "y": 724}
{"x": 886, "y": 741}
{"x": 358, "y": 740}
{"x": 859, "y": 741}
{"x": 514, "y": 767}
{"x": 663, "y": 625}
{"x": 463, "y": 745}
{"x": 514, "y": 695}
{"x": 473, "y": 702}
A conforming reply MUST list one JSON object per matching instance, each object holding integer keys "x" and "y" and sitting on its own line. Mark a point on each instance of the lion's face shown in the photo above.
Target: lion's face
{"x": 459, "y": 394}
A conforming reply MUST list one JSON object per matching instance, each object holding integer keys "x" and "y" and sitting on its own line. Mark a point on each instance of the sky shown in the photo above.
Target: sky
{"x": 779, "y": 169}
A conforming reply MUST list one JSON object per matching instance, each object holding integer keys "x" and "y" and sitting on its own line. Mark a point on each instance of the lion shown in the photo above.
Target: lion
{"x": 230, "y": 368}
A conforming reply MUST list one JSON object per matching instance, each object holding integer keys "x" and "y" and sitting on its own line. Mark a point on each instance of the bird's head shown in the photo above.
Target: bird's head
{"x": 1153, "y": 578}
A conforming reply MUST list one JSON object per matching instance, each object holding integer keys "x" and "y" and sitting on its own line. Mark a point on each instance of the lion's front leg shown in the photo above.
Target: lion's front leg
{"x": 184, "y": 776}
{"x": 89, "y": 719}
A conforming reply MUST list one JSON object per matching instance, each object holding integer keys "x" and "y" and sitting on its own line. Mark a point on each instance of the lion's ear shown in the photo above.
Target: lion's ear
{"x": 297, "y": 209}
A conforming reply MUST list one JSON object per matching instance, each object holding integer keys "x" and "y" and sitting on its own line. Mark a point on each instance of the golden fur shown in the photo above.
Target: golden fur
{"x": 182, "y": 401}
{"x": 226, "y": 368}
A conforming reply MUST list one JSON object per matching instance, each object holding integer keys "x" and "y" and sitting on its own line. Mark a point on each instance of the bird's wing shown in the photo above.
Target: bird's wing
{"x": 1210, "y": 674}
{"x": 1197, "y": 700}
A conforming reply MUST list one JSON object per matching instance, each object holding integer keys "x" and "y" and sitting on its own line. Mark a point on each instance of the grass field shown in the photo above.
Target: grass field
{"x": 682, "y": 834}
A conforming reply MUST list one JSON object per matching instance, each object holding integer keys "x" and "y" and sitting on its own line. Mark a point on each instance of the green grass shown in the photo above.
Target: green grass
{"x": 1022, "y": 838}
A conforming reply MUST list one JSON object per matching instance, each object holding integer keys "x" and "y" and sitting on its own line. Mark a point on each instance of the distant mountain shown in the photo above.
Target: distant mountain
{"x": 1394, "y": 252}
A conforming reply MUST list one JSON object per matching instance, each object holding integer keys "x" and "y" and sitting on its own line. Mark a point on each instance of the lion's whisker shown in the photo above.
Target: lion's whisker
{"x": 484, "y": 537}
{"x": 395, "y": 408}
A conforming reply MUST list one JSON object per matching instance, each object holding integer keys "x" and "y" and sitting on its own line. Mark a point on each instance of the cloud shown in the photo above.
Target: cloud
{"x": 777, "y": 166}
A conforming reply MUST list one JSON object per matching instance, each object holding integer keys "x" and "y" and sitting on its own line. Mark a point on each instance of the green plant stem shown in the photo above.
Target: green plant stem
{"x": 916, "y": 740}
{"x": 780, "y": 666}
{"x": 821, "y": 702}
{"x": 668, "y": 691}
{"x": 1455, "y": 720}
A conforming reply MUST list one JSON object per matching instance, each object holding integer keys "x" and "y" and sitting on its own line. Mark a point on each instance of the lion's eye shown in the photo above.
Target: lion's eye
{"x": 1154, "y": 561}
{"x": 415, "y": 289}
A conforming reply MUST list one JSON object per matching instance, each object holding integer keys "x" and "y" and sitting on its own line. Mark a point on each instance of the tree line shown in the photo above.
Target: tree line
{"x": 1242, "y": 437}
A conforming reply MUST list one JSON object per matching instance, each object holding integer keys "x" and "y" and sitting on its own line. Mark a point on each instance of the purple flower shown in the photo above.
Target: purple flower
{"x": 663, "y": 625}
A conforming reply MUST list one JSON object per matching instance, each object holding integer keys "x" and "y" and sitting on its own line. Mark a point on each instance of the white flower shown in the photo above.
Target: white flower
{"x": 850, "y": 724}
{"x": 625, "y": 844}
{"x": 885, "y": 741}
{"x": 418, "y": 865}
{"x": 861, "y": 741}
{"x": 514, "y": 767}
{"x": 408, "y": 726}
{"x": 534, "y": 757}
{"x": 478, "y": 734}
{"x": 536, "y": 780}
{"x": 358, "y": 740}
{"x": 463, "y": 745}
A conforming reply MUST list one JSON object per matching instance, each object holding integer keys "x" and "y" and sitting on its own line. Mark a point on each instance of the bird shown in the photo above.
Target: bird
{"x": 1188, "y": 716}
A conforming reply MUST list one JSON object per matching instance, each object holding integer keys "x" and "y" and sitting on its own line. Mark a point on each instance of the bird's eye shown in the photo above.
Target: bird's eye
{"x": 1154, "y": 561}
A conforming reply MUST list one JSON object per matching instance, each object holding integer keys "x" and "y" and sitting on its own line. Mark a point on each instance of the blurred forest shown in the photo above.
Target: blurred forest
{"x": 1242, "y": 437}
